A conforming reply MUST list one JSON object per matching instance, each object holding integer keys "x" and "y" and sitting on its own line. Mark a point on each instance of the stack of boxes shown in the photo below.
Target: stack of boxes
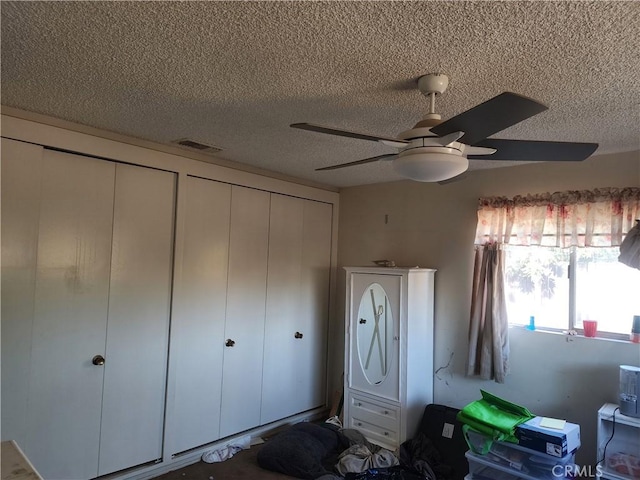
{"x": 542, "y": 453}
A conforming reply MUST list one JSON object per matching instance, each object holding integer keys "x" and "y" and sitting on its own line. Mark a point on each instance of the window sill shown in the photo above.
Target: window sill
{"x": 610, "y": 337}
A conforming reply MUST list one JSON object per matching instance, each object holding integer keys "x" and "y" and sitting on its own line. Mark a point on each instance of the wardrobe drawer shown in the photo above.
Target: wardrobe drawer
{"x": 375, "y": 412}
{"x": 374, "y": 432}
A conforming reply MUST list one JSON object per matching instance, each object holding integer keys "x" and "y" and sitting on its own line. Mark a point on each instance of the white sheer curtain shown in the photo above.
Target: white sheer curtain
{"x": 588, "y": 218}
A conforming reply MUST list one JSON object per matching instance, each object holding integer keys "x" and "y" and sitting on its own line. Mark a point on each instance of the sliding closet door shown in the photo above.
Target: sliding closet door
{"x": 244, "y": 327}
{"x": 311, "y": 376}
{"x": 197, "y": 338}
{"x": 138, "y": 322}
{"x": 70, "y": 317}
{"x": 21, "y": 177}
{"x": 297, "y": 307}
{"x": 283, "y": 308}
{"x": 89, "y": 244}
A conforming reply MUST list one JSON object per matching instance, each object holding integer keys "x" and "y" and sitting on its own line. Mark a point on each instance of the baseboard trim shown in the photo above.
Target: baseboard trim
{"x": 182, "y": 460}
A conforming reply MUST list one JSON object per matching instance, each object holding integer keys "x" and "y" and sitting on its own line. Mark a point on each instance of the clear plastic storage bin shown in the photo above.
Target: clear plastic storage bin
{"x": 509, "y": 462}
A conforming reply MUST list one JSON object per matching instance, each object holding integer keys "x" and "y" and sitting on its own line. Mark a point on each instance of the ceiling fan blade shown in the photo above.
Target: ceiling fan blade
{"x": 535, "y": 151}
{"x": 388, "y": 156}
{"x": 393, "y": 142}
{"x": 490, "y": 117}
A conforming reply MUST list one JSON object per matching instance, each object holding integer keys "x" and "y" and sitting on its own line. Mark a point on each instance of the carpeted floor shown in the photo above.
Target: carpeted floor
{"x": 242, "y": 466}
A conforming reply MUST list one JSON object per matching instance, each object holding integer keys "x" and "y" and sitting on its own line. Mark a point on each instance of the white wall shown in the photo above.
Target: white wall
{"x": 433, "y": 225}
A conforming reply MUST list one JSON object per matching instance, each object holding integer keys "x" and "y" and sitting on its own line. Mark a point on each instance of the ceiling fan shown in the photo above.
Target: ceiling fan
{"x": 435, "y": 150}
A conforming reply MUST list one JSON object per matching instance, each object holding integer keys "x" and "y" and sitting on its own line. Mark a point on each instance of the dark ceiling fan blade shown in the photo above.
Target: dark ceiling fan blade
{"x": 535, "y": 151}
{"x": 490, "y": 117}
{"x": 395, "y": 142}
{"x": 388, "y": 156}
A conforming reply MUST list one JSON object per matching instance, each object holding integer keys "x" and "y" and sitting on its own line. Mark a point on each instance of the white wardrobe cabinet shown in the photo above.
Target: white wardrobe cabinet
{"x": 86, "y": 284}
{"x": 388, "y": 351}
{"x": 249, "y": 328}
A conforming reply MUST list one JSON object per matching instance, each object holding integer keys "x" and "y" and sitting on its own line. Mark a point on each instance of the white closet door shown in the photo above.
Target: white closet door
{"x": 21, "y": 176}
{"x": 138, "y": 324}
{"x": 197, "y": 338}
{"x": 71, "y": 298}
{"x": 244, "y": 326}
{"x": 284, "y": 308}
{"x": 297, "y": 307}
{"x": 313, "y": 320}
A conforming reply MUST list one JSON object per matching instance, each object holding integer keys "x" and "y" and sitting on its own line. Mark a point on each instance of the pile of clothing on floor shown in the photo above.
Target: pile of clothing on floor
{"x": 325, "y": 451}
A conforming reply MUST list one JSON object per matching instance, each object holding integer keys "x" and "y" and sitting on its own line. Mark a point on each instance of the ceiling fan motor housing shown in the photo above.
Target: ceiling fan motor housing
{"x": 433, "y": 83}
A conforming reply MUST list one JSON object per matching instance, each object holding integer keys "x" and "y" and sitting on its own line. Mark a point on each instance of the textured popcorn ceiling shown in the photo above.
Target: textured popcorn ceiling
{"x": 236, "y": 74}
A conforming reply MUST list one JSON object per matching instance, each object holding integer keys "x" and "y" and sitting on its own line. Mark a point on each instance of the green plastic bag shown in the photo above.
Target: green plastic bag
{"x": 493, "y": 417}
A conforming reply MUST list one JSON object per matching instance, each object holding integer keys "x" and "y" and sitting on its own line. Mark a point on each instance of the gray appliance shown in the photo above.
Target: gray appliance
{"x": 629, "y": 384}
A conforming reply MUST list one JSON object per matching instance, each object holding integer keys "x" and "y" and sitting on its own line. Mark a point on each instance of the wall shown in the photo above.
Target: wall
{"x": 431, "y": 225}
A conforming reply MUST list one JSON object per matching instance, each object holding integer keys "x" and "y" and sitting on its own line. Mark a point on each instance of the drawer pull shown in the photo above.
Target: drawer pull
{"x": 298, "y": 335}
{"x": 358, "y": 404}
{"x": 386, "y": 412}
{"x": 386, "y": 434}
{"x": 359, "y": 424}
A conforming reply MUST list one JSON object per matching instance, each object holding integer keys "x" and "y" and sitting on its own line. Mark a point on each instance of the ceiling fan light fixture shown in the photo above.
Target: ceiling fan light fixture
{"x": 430, "y": 166}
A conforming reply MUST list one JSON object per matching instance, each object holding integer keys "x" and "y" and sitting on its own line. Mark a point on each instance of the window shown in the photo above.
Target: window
{"x": 537, "y": 285}
{"x": 560, "y": 287}
{"x": 558, "y": 260}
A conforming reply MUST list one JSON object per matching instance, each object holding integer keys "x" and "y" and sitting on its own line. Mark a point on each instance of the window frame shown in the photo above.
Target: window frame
{"x": 572, "y": 322}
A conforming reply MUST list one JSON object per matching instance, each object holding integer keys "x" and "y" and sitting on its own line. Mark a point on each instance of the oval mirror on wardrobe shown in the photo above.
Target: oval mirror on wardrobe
{"x": 375, "y": 333}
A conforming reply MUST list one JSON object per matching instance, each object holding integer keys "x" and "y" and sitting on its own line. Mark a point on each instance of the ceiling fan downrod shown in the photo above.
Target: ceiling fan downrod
{"x": 431, "y": 85}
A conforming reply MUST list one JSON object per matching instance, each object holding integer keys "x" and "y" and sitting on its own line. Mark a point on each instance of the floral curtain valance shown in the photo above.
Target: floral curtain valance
{"x": 588, "y": 218}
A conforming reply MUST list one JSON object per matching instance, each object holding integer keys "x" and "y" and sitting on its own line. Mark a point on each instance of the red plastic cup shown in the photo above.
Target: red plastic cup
{"x": 590, "y": 328}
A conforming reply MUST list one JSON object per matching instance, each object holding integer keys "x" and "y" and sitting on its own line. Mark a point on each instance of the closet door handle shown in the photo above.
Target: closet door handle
{"x": 298, "y": 335}
{"x": 98, "y": 360}
{"x": 230, "y": 343}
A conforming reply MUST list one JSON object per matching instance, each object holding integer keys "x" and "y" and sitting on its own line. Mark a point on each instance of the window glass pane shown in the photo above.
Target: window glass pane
{"x": 606, "y": 290}
{"x": 537, "y": 285}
